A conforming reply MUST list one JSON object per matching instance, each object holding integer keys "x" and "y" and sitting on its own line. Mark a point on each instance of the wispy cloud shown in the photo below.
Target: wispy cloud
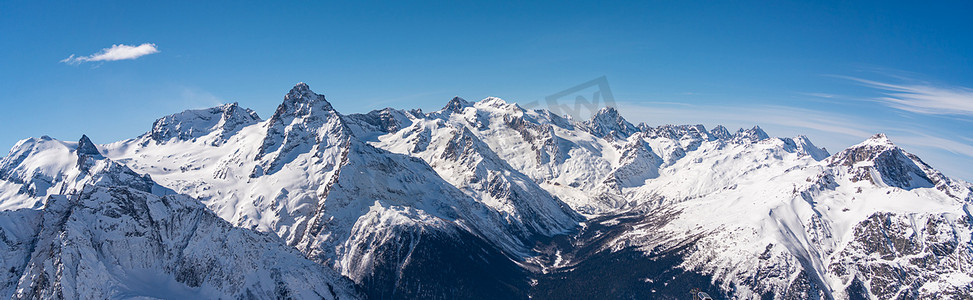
{"x": 197, "y": 98}
{"x": 116, "y": 52}
{"x": 819, "y": 95}
{"x": 929, "y": 141}
{"x": 923, "y": 98}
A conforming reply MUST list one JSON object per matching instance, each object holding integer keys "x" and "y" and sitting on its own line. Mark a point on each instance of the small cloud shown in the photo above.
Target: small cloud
{"x": 923, "y": 98}
{"x": 196, "y": 98}
{"x": 116, "y": 52}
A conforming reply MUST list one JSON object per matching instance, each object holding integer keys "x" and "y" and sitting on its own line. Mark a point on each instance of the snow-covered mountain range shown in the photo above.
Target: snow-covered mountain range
{"x": 477, "y": 200}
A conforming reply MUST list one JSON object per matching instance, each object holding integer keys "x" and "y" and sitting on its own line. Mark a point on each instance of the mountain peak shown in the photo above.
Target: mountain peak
{"x": 607, "y": 113}
{"x": 892, "y": 165}
{"x": 804, "y": 145}
{"x": 456, "y": 104}
{"x": 300, "y": 87}
{"x": 607, "y": 121}
{"x": 86, "y": 147}
{"x": 301, "y": 91}
{"x": 720, "y": 132}
{"x": 879, "y": 139}
{"x": 608, "y": 110}
{"x": 194, "y": 123}
{"x": 753, "y": 134}
{"x": 493, "y": 101}
{"x": 301, "y": 101}
{"x": 867, "y": 150}
{"x": 304, "y": 120}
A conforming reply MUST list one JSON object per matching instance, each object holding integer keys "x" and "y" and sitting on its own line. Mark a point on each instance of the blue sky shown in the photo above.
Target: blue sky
{"x": 835, "y": 71}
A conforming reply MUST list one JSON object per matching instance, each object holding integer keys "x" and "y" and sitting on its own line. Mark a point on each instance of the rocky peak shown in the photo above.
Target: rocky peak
{"x": 721, "y": 133}
{"x": 879, "y": 139}
{"x": 384, "y": 121}
{"x": 803, "y": 146}
{"x": 608, "y": 122}
{"x": 697, "y": 131}
{"x": 86, "y": 147}
{"x": 753, "y": 134}
{"x": 303, "y": 122}
{"x": 233, "y": 116}
{"x": 300, "y": 101}
{"x": 865, "y": 151}
{"x": 300, "y": 89}
{"x": 456, "y": 105}
{"x": 194, "y": 123}
{"x": 607, "y": 113}
{"x": 894, "y": 166}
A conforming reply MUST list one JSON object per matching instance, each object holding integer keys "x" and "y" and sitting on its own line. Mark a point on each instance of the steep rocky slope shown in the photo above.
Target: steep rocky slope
{"x": 481, "y": 200}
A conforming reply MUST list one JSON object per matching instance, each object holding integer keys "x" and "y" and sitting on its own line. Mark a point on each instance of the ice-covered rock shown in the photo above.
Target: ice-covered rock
{"x": 218, "y": 123}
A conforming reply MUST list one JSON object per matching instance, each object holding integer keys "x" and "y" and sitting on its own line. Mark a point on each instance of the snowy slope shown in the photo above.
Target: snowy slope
{"x": 313, "y": 177}
{"x": 223, "y": 120}
{"x": 120, "y": 243}
{"x": 767, "y": 219}
{"x": 109, "y": 236}
{"x": 527, "y": 202}
{"x": 38, "y": 167}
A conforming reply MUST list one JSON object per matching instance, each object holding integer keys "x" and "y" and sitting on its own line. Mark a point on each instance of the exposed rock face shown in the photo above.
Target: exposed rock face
{"x": 111, "y": 237}
{"x": 456, "y": 105}
{"x": 86, "y": 147}
{"x": 477, "y": 200}
{"x": 753, "y": 134}
{"x": 607, "y": 122}
{"x": 879, "y": 161}
{"x": 898, "y": 256}
{"x": 119, "y": 242}
{"x": 221, "y": 122}
{"x": 305, "y": 121}
{"x": 720, "y": 132}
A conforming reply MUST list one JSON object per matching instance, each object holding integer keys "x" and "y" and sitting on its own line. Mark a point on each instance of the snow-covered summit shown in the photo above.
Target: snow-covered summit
{"x": 303, "y": 121}
{"x": 753, "y": 134}
{"x": 380, "y": 121}
{"x": 879, "y": 139}
{"x": 803, "y": 145}
{"x": 721, "y": 132}
{"x": 608, "y": 122}
{"x": 456, "y": 105}
{"x": 521, "y": 199}
{"x": 493, "y": 102}
{"x": 45, "y": 166}
{"x": 676, "y": 132}
{"x": 300, "y": 102}
{"x": 880, "y": 161}
{"x": 221, "y": 121}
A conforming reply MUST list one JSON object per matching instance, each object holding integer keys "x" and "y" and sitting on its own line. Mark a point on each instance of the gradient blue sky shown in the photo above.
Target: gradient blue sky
{"x": 837, "y": 72}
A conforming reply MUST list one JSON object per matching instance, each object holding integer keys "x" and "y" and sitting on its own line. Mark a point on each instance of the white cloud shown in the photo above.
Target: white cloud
{"x": 116, "y": 52}
{"x": 925, "y": 140}
{"x": 923, "y": 98}
{"x": 197, "y": 98}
